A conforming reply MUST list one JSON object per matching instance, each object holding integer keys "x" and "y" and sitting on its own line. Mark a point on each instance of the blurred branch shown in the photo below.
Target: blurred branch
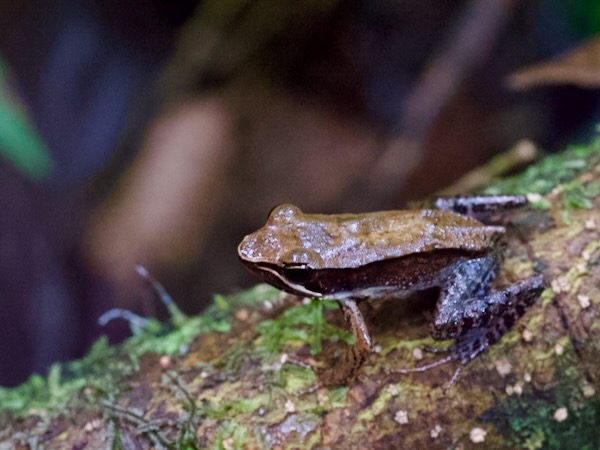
{"x": 468, "y": 45}
{"x": 579, "y": 67}
{"x": 522, "y": 153}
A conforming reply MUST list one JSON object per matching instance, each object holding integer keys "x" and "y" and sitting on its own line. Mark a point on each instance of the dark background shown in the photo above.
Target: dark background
{"x": 173, "y": 128}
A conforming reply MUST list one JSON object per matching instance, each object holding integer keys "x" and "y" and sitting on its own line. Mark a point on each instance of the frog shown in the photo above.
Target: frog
{"x": 374, "y": 256}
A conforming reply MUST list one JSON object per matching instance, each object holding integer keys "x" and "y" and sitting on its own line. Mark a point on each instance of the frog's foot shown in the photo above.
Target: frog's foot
{"x": 346, "y": 369}
{"x": 495, "y": 312}
{"x": 426, "y": 367}
{"x": 465, "y": 349}
{"x": 505, "y": 307}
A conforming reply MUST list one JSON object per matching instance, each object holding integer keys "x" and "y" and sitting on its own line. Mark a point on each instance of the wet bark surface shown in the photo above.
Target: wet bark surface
{"x": 254, "y": 386}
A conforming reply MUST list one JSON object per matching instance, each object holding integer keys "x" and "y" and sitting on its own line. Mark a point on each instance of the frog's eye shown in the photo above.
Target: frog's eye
{"x": 297, "y": 273}
{"x": 283, "y": 213}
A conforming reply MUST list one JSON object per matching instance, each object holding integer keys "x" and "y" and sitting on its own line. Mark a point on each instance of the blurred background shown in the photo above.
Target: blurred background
{"x": 162, "y": 132}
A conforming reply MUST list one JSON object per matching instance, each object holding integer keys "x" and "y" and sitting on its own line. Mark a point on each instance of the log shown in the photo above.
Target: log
{"x": 241, "y": 376}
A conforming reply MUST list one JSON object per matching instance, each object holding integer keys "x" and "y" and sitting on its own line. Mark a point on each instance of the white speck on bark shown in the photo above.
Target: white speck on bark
{"x": 401, "y": 417}
{"x": 477, "y": 435}
{"x": 561, "y": 414}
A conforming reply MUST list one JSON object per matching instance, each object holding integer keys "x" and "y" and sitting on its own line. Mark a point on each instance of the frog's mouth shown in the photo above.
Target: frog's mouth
{"x": 273, "y": 276}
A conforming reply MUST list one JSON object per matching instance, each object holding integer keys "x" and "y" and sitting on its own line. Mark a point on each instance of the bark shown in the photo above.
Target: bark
{"x": 253, "y": 386}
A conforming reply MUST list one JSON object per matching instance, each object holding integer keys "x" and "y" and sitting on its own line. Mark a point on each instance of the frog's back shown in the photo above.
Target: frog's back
{"x": 354, "y": 240}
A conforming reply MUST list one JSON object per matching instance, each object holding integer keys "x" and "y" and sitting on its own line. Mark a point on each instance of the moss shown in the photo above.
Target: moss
{"x": 230, "y": 436}
{"x": 298, "y": 325}
{"x": 564, "y": 170}
{"x": 228, "y": 409}
{"x": 553, "y": 170}
{"x": 104, "y": 366}
{"x": 529, "y": 420}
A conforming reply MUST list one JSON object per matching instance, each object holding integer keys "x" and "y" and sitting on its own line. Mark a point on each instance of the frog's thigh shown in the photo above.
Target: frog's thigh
{"x": 465, "y": 289}
{"x": 505, "y": 307}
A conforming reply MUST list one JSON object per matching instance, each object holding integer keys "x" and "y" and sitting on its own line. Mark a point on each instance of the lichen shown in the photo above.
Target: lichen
{"x": 558, "y": 169}
{"x": 531, "y": 421}
{"x": 298, "y": 325}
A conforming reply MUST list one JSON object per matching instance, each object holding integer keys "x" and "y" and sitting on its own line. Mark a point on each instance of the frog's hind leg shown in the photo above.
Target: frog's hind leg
{"x": 463, "y": 302}
{"x": 347, "y": 369}
{"x": 507, "y": 306}
{"x": 489, "y": 319}
{"x": 480, "y": 205}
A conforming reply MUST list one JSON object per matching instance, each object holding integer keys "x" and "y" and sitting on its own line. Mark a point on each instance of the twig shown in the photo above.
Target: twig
{"x": 468, "y": 45}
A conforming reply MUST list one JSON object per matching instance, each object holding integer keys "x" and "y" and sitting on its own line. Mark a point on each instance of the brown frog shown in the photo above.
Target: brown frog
{"x": 353, "y": 257}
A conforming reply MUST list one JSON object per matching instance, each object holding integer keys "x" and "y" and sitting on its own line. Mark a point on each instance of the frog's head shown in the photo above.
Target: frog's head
{"x": 278, "y": 255}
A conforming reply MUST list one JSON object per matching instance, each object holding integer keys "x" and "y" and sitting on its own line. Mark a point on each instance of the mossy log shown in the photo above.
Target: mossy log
{"x": 241, "y": 376}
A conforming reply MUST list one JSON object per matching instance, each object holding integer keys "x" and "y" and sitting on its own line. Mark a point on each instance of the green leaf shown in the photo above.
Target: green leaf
{"x": 20, "y": 144}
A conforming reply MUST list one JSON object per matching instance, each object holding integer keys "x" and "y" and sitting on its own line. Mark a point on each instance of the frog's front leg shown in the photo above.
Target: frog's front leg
{"x": 347, "y": 369}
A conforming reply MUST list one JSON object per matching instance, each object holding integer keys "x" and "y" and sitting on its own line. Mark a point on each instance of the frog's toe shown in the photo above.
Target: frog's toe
{"x": 471, "y": 344}
{"x": 436, "y": 350}
{"x": 424, "y": 367}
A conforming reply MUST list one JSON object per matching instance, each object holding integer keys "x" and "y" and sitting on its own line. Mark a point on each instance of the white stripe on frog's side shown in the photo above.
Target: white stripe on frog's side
{"x": 297, "y": 287}
{"x": 373, "y": 293}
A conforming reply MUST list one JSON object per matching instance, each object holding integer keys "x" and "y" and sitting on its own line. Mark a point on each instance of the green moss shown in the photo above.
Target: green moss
{"x": 300, "y": 324}
{"x": 20, "y": 144}
{"x": 553, "y": 170}
{"x": 230, "y": 436}
{"x": 295, "y": 378}
{"x": 62, "y": 382}
{"x": 227, "y": 409}
{"x": 104, "y": 366}
{"x": 528, "y": 420}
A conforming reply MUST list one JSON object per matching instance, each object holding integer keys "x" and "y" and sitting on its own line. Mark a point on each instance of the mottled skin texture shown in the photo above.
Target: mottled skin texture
{"x": 352, "y": 257}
